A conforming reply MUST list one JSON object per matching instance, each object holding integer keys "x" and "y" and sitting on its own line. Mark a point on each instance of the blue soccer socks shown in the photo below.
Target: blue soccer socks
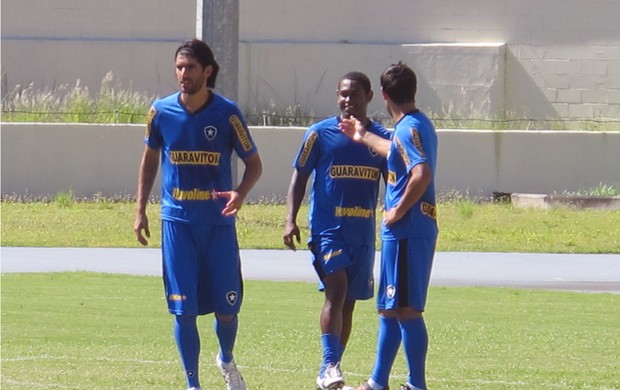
{"x": 415, "y": 344}
{"x": 226, "y": 333}
{"x": 188, "y": 343}
{"x": 388, "y": 343}
{"x": 331, "y": 350}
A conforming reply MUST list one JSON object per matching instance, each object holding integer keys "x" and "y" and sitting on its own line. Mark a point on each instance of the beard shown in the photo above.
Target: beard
{"x": 192, "y": 87}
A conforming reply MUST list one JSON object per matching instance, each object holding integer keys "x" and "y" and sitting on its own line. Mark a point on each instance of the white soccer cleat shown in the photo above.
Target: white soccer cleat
{"x": 232, "y": 377}
{"x": 332, "y": 378}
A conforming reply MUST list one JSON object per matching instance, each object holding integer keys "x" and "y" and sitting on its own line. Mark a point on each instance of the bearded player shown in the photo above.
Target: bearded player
{"x": 196, "y": 131}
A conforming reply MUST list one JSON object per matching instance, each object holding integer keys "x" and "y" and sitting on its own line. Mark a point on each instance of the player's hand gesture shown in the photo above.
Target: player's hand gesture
{"x": 142, "y": 224}
{"x": 390, "y": 217}
{"x": 291, "y": 234}
{"x": 353, "y": 129}
{"x": 234, "y": 203}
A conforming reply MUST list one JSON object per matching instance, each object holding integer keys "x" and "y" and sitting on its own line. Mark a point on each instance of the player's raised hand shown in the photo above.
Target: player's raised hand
{"x": 142, "y": 224}
{"x": 291, "y": 234}
{"x": 353, "y": 129}
{"x": 234, "y": 203}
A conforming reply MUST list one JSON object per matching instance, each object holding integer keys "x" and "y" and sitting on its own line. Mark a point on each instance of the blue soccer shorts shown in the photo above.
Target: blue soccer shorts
{"x": 358, "y": 260}
{"x": 201, "y": 269}
{"x": 405, "y": 273}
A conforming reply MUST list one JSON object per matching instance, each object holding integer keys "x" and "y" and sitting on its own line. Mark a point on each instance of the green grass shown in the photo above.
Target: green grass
{"x": 464, "y": 226}
{"x": 86, "y": 330}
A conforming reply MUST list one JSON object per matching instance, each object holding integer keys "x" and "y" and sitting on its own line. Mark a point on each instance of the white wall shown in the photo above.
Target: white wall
{"x": 560, "y": 59}
{"x": 56, "y": 42}
{"x": 44, "y": 159}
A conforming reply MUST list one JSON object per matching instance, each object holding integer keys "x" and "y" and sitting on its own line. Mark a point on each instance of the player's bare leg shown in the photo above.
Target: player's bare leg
{"x": 330, "y": 376}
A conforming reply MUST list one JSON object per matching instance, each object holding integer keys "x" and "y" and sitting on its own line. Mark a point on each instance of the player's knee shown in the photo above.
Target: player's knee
{"x": 407, "y": 313}
{"x": 387, "y": 313}
{"x": 225, "y": 317}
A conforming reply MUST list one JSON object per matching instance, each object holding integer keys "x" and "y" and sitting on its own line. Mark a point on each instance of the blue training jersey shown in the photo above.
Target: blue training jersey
{"x": 345, "y": 188}
{"x": 196, "y": 152}
{"x": 414, "y": 142}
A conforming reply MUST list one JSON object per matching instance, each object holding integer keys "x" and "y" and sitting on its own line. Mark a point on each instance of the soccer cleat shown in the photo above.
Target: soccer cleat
{"x": 232, "y": 377}
{"x": 332, "y": 378}
{"x": 407, "y": 386}
{"x": 366, "y": 386}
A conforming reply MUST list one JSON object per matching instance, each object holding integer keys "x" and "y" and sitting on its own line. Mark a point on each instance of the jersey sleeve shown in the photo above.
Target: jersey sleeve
{"x": 308, "y": 154}
{"x": 410, "y": 146}
{"x": 153, "y": 137}
{"x": 243, "y": 142}
{"x": 385, "y": 134}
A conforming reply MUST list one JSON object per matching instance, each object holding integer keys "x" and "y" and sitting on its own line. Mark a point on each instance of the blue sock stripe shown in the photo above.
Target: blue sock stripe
{"x": 388, "y": 343}
{"x": 415, "y": 345}
{"x": 331, "y": 350}
{"x": 188, "y": 343}
{"x": 226, "y": 333}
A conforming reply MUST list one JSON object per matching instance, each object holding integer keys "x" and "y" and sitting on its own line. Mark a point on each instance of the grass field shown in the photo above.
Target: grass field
{"x": 96, "y": 331}
{"x": 84, "y": 330}
{"x": 464, "y": 226}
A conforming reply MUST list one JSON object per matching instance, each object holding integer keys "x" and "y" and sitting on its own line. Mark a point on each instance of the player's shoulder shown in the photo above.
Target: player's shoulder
{"x": 379, "y": 129}
{"x": 221, "y": 101}
{"x": 327, "y": 124}
{"x": 172, "y": 99}
{"x": 168, "y": 103}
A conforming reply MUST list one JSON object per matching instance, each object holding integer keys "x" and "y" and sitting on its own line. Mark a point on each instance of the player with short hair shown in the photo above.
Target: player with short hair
{"x": 344, "y": 197}
{"x": 196, "y": 131}
{"x": 409, "y": 231}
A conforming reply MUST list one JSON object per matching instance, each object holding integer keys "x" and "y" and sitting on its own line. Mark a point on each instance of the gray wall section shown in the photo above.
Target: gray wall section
{"x": 480, "y": 59}
{"x": 44, "y": 159}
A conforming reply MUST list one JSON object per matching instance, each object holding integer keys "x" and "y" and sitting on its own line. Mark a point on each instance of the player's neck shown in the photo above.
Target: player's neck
{"x": 196, "y": 101}
{"x": 400, "y": 110}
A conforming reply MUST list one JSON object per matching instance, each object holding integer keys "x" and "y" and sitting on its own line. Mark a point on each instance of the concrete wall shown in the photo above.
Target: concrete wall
{"x": 44, "y": 159}
{"x": 542, "y": 59}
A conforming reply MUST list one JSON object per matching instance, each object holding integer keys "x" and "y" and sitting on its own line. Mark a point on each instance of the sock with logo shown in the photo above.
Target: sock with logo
{"x": 226, "y": 333}
{"x": 188, "y": 343}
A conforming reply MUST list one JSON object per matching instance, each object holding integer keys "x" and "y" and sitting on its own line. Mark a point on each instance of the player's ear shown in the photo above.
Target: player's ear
{"x": 208, "y": 71}
{"x": 384, "y": 94}
{"x": 369, "y": 96}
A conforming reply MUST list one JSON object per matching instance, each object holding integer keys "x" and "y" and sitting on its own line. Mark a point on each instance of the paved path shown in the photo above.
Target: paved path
{"x": 596, "y": 273}
{"x": 550, "y": 271}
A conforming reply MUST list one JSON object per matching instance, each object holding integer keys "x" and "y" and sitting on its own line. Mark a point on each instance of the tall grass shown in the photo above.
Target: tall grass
{"x": 115, "y": 104}
{"x": 76, "y": 104}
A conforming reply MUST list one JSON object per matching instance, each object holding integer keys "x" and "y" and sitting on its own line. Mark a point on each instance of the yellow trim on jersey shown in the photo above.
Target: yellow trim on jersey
{"x": 242, "y": 132}
{"x": 303, "y": 157}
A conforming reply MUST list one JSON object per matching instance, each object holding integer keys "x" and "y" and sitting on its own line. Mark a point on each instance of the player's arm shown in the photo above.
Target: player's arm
{"x": 295, "y": 195}
{"x": 148, "y": 172}
{"x": 355, "y": 130}
{"x": 420, "y": 177}
{"x": 253, "y": 171}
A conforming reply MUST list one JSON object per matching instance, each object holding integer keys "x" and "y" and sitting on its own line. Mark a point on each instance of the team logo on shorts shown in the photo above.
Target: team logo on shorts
{"x": 231, "y": 297}
{"x": 390, "y": 291}
{"x": 210, "y": 132}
